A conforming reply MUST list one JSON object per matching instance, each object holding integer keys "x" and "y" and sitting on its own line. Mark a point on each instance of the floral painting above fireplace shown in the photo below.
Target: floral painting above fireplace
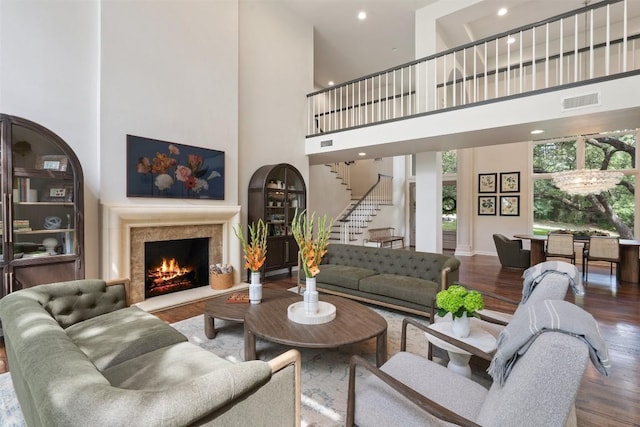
{"x": 164, "y": 169}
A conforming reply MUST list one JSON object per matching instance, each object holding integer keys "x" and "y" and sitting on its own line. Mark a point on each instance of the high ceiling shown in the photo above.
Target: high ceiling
{"x": 347, "y": 48}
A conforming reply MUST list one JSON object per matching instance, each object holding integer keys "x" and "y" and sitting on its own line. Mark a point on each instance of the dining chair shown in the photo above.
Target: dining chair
{"x": 602, "y": 248}
{"x": 560, "y": 245}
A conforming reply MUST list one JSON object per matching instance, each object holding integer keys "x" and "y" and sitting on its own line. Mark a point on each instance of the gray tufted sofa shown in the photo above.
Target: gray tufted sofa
{"x": 399, "y": 279}
{"x": 78, "y": 356}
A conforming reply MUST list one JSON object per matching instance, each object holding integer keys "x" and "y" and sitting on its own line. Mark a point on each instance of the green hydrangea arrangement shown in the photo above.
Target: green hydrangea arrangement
{"x": 456, "y": 299}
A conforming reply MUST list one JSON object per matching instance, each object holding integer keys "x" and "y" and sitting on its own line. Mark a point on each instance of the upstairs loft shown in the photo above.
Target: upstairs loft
{"x": 576, "y": 73}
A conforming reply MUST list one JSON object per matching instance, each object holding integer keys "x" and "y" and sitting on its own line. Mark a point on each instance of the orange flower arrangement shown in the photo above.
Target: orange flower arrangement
{"x": 255, "y": 251}
{"x": 311, "y": 251}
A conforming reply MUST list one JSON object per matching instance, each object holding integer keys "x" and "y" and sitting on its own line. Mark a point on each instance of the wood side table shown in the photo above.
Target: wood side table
{"x": 354, "y": 323}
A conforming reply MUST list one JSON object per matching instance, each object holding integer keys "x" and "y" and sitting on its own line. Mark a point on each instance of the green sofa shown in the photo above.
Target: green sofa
{"x": 78, "y": 356}
{"x": 395, "y": 278}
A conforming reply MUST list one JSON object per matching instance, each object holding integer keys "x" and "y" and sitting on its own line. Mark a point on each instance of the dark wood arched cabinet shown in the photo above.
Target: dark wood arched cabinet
{"x": 42, "y": 203}
{"x": 275, "y": 192}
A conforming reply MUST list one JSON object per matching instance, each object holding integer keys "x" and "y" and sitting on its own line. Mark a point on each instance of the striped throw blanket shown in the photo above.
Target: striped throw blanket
{"x": 534, "y": 275}
{"x": 547, "y": 316}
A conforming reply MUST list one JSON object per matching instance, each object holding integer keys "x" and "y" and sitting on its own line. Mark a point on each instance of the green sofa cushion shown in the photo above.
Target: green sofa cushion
{"x": 121, "y": 335}
{"x": 404, "y": 288}
{"x": 165, "y": 367}
{"x": 342, "y": 275}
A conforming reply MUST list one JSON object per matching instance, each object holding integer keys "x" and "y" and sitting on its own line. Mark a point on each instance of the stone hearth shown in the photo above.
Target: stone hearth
{"x": 125, "y": 229}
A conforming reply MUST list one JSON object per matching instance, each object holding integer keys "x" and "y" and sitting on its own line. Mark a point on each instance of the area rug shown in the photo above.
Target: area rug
{"x": 325, "y": 373}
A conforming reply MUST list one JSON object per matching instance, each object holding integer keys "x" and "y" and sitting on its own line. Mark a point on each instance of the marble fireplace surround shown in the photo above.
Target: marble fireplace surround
{"x": 125, "y": 229}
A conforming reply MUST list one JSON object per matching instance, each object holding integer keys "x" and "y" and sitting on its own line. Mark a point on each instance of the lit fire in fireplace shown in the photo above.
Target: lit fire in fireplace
{"x": 169, "y": 277}
{"x": 168, "y": 271}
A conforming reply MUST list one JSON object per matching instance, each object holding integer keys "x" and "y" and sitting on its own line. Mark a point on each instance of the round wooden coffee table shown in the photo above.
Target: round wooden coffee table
{"x": 219, "y": 308}
{"x": 354, "y": 323}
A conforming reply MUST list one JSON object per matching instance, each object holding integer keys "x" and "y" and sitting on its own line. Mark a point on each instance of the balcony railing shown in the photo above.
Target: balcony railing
{"x": 592, "y": 42}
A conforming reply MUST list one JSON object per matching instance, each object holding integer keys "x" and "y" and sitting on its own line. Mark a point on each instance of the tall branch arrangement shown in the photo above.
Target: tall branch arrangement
{"x": 254, "y": 250}
{"x": 311, "y": 251}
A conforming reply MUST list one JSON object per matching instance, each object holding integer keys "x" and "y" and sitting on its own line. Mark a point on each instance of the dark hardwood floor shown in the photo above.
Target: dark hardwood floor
{"x": 601, "y": 401}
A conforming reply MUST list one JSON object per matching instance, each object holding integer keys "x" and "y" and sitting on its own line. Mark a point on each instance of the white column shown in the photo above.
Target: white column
{"x": 465, "y": 202}
{"x": 429, "y": 202}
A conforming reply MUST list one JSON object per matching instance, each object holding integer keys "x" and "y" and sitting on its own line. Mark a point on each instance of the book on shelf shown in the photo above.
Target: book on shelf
{"x": 19, "y": 225}
{"x": 22, "y": 191}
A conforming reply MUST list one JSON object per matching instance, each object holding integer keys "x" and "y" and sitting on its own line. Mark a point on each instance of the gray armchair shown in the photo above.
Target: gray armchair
{"x": 540, "y": 389}
{"x": 511, "y": 253}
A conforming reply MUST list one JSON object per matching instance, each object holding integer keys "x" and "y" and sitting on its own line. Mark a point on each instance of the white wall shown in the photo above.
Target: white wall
{"x": 364, "y": 173}
{"x": 334, "y": 195}
{"x": 275, "y": 74}
{"x": 169, "y": 71}
{"x": 513, "y": 158}
{"x": 49, "y": 75}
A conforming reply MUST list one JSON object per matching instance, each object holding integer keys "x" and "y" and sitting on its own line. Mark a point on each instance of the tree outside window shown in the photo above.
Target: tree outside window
{"x": 611, "y": 211}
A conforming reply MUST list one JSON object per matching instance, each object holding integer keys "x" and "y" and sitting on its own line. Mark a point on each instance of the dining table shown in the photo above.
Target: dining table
{"x": 629, "y": 254}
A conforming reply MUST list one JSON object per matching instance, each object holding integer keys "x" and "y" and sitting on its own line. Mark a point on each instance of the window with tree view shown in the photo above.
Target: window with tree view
{"x": 611, "y": 211}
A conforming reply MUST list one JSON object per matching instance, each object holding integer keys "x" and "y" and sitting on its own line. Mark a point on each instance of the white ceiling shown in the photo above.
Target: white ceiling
{"x": 347, "y": 48}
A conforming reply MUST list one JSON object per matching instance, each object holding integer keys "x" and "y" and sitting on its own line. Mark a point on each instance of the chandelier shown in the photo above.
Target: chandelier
{"x": 582, "y": 182}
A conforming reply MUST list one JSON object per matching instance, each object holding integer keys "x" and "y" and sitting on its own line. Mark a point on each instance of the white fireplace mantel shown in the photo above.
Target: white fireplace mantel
{"x": 118, "y": 220}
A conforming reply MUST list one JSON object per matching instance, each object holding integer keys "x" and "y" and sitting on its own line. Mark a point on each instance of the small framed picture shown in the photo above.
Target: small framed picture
{"x": 487, "y": 182}
{"x": 486, "y": 205}
{"x": 52, "y": 163}
{"x": 58, "y": 193}
{"x": 510, "y": 205}
{"x": 510, "y": 182}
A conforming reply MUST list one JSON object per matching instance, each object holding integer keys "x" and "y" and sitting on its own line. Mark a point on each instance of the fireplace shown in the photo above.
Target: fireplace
{"x": 175, "y": 265}
{"x": 126, "y": 229}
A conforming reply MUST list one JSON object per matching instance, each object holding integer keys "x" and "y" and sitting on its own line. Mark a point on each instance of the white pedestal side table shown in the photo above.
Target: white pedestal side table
{"x": 458, "y": 358}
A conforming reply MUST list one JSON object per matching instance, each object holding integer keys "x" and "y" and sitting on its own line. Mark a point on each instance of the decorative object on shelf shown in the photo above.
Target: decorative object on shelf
{"x": 487, "y": 182}
{"x": 52, "y": 163}
{"x": 486, "y": 205}
{"x": 220, "y": 276}
{"x": 255, "y": 254}
{"x": 50, "y": 245}
{"x": 52, "y": 222}
{"x": 311, "y": 252}
{"x": 163, "y": 169}
{"x": 461, "y": 303}
{"x": 583, "y": 182}
{"x": 509, "y": 182}
{"x": 21, "y": 147}
{"x": 58, "y": 193}
{"x": 510, "y": 205}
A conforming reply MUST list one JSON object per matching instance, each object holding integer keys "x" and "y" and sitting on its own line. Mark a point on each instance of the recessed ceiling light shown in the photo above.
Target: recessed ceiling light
{"x": 362, "y": 153}
{"x": 502, "y": 11}
{"x": 511, "y": 40}
{"x": 362, "y": 16}
{"x": 536, "y": 132}
{"x": 331, "y": 83}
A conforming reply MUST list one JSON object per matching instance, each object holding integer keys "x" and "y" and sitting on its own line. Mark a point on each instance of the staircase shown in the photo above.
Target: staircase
{"x": 355, "y": 218}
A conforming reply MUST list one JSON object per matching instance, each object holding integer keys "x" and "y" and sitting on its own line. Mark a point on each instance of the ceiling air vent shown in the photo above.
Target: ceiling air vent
{"x": 581, "y": 101}
{"x": 327, "y": 143}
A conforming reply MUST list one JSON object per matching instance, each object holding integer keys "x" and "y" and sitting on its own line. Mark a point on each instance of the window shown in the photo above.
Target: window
{"x": 612, "y": 211}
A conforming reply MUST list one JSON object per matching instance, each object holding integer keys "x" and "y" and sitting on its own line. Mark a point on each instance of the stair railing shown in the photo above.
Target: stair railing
{"x": 343, "y": 172}
{"x": 357, "y": 216}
